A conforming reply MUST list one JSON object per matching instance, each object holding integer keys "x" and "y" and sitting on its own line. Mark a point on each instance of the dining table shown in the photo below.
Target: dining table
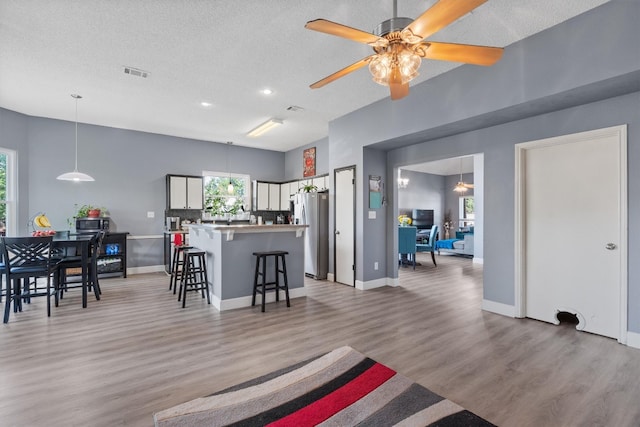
{"x": 72, "y": 244}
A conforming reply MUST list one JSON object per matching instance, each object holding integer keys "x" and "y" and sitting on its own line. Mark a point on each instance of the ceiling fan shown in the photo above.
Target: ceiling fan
{"x": 399, "y": 45}
{"x": 461, "y": 186}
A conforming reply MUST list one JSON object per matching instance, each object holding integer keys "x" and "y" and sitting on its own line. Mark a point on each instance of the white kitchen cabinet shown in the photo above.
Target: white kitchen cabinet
{"x": 266, "y": 196}
{"x": 274, "y": 197}
{"x": 287, "y": 192}
{"x": 184, "y": 192}
{"x": 261, "y": 196}
{"x": 285, "y": 196}
{"x": 320, "y": 183}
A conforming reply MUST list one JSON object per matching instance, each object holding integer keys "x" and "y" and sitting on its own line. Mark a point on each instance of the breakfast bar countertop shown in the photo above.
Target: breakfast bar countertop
{"x": 231, "y": 263}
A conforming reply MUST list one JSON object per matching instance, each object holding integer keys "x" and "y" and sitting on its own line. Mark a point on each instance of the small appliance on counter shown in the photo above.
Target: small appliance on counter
{"x": 90, "y": 225}
{"x": 173, "y": 223}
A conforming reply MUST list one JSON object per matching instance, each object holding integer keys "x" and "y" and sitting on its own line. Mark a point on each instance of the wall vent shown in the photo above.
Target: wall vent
{"x": 136, "y": 72}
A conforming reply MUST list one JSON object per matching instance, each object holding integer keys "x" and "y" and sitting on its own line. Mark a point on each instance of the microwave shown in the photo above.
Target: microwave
{"x": 92, "y": 224}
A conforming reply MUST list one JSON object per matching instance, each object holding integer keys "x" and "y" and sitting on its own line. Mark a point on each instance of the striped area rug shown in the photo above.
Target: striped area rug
{"x": 341, "y": 388}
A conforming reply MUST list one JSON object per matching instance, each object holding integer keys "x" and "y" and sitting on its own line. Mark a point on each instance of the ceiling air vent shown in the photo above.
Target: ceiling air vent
{"x": 136, "y": 72}
{"x": 295, "y": 108}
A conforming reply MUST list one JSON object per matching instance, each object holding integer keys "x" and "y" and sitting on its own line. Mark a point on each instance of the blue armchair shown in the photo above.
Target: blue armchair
{"x": 430, "y": 247}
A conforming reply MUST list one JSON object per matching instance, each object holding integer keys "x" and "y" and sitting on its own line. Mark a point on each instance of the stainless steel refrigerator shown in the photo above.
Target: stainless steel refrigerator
{"x": 312, "y": 209}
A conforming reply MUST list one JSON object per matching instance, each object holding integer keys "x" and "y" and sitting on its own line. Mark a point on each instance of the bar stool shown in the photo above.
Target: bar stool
{"x": 194, "y": 274}
{"x": 177, "y": 266}
{"x": 264, "y": 286}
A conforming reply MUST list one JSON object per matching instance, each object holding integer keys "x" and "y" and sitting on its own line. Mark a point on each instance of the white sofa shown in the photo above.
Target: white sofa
{"x": 461, "y": 247}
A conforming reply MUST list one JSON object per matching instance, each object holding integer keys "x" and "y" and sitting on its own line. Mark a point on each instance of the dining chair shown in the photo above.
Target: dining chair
{"x": 407, "y": 245}
{"x": 26, "y": 258}
{"x": 431, "y": 246}
{"x": 74, "y": 261}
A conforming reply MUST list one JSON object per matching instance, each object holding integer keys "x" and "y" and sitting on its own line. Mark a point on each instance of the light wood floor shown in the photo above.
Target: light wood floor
{"x": 136, "y": 351}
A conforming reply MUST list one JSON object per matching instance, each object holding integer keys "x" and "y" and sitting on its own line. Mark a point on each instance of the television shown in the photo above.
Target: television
{"x": 422, "y": 218}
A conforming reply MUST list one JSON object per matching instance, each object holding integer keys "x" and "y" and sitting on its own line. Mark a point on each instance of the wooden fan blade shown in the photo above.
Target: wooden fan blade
{"x": 342, "y": 72}
{"x": 398, "y": 89}
{"x": 441, "y": 14}
{"x": 335, "y": 29}
{"x": 469, "y": 54}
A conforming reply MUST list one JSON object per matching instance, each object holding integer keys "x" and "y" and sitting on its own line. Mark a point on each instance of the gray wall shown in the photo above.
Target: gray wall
{"x": 129, "y": 168}
{"x": 424, "y": 191}
{"x": 293, "y": 160}
{"x": 375, "y": 164}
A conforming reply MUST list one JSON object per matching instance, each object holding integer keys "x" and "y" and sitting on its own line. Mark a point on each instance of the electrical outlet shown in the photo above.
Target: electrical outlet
{"x": 375, "y": 265}
{"x": 151, "y": 214}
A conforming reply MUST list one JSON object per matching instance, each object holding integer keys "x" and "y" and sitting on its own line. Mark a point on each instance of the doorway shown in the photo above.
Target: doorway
{"x": 344, "y": 232}
{"x": 571, "y": 220}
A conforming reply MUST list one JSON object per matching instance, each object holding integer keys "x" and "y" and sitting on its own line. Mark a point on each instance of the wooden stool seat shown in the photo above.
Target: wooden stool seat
{"x": 264, "y": 286}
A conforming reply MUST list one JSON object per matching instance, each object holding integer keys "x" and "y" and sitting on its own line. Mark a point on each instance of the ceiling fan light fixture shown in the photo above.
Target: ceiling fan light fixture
{"x": 408, "y": 62}
{"x": 398, "y": 65}
{"x": 380, "y": 68}
{"x": 460, "y": 187}
{"x": 265, "y": 127}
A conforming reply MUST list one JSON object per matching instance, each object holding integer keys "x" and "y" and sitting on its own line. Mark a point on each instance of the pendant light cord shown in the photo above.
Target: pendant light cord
{"x": 76, "y": 168}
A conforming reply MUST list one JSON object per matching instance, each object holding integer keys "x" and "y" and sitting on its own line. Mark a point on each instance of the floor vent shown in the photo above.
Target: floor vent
{"x": 136, "y": 72}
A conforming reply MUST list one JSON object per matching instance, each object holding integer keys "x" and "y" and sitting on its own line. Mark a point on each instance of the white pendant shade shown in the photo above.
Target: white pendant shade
{"x": 75, "y": 175}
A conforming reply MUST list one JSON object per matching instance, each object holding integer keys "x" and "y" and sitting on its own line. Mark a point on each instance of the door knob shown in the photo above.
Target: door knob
{"x": 611, "y": 246}
{"x": 336, "y": 232}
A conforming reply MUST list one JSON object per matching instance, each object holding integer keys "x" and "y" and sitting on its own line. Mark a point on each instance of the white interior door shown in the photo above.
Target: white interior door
{"x": 574, "y": 230}
{"x": 344, "y": 233}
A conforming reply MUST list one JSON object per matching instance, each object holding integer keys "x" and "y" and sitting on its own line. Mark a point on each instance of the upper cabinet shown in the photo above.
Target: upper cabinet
{"x": 184, "y": 192}
{"x": 266, "y": 196}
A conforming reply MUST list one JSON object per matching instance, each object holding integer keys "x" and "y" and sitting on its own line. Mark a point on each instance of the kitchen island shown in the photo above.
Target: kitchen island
{"x": 231, "y": 263}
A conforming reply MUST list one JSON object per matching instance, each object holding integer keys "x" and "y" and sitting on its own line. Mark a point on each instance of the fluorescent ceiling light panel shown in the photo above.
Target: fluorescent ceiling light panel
{"x": 265, "y": 127}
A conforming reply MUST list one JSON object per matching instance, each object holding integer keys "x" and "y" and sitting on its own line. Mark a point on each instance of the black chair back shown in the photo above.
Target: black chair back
{"x": 26, "y": 254}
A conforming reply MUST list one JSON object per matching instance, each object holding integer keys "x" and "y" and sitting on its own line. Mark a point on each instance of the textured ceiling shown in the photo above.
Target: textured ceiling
{"x": 223, "y": 52}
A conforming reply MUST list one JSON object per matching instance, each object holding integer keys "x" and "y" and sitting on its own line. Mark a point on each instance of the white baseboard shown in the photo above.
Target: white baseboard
{"x": 145, "y": 269}
{"x": 377, "y": 283}
{"x": 633, "y": 339}
{"x": 478, "y": 260}
{"x": 499, "y": 308}
{"x": 330, "y": 277}
{"x": 241, "y": 302}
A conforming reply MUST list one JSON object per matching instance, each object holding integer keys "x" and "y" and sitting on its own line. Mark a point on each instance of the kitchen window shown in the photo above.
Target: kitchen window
{"x": 7, "y": 192}
{"x": 467, "y": 212}
{"x": 226, "y": 193}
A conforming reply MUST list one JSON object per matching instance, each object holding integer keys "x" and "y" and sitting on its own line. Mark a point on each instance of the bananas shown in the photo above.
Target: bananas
{"x": 42, "y": 221}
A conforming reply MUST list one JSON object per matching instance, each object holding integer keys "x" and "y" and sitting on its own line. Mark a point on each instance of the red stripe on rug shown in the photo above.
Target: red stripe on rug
{"x": 339, "y": 399}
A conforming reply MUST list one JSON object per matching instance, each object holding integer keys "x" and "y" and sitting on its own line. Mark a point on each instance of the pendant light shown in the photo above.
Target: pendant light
{"x": 75, "y": 175}
{"x": 230, "y": 186}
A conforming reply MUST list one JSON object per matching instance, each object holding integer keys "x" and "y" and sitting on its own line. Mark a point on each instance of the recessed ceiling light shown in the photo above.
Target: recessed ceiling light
{"x": 206, "y": 104}
{"x": 266, "y": 91}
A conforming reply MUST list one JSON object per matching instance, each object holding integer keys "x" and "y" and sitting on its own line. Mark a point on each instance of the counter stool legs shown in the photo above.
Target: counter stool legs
{"x": 194, "y": 275}
{"x": 263, "y": 286}
{"x": 176, "y": 266}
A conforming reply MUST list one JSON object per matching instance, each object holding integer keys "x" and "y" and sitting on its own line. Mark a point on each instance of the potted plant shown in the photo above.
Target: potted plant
{"x": 89, "y": 211}
{"x": 309, "y": 188}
